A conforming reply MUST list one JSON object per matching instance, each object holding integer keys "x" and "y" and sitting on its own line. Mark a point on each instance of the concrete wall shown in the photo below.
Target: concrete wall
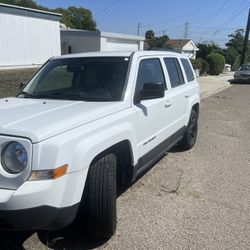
{"x": 89, "y": 41}
{"x": 26, "y": 41}
{"x": 117, "y": 44}
{"x": 78, "y": 42}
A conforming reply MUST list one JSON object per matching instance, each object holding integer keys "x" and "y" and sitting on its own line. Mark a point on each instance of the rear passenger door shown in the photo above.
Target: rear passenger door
{"x": 178, "y": 94}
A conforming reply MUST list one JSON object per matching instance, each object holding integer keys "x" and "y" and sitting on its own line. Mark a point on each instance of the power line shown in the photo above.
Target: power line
{"x": 228, "y": 21}
{"x": 208, "y": 17}
{"x": 216, "y": 12}
{"x": 178, "y": 17}
{"x": 107, "y": 7}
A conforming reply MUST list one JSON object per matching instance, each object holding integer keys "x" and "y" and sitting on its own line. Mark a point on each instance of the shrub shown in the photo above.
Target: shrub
{"x": 196, "y": 63}
{"x": 204, "y": 65}
{"x": 200, "y": 64}
{"x": 216, "y": 63}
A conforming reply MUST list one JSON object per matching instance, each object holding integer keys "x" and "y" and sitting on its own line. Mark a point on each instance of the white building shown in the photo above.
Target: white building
{"x": 27, "y": 36}
{"x": 184, "y": 46}
{"x": 75, "y": 41}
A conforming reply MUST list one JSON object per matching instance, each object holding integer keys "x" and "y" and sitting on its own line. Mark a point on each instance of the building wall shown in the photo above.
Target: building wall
{"x": 26, "y": 41}
{"x": 190, "y": 50}
{"x": 117, "y": 44}
{"x": 78, "y": 42}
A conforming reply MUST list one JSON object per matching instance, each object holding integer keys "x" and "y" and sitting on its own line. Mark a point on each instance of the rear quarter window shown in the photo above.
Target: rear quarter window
{"x": 188, "y": 70}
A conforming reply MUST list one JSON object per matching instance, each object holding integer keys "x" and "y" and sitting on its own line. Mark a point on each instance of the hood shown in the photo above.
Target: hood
{"x": 39, "y": 119}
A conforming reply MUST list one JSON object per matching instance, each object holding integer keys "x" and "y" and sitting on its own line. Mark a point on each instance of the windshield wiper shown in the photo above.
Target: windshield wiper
{"x": 52, "y": 95}
{"x": 25, "y": 94}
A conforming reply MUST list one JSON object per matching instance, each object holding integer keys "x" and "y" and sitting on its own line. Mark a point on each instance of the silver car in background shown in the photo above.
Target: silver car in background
{"x": 243, "y": 73}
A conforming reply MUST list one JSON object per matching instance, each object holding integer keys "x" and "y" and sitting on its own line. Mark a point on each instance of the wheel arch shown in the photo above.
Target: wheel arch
{"x": 124, "y": 153}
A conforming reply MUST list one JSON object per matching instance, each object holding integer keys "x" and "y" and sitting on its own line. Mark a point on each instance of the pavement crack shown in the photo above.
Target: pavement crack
{"x": 177, "y": 186}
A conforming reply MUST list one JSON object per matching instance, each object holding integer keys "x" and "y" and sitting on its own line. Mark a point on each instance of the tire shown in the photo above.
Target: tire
{"x": 190, "y": 136}
{"x": 100, "y": 201}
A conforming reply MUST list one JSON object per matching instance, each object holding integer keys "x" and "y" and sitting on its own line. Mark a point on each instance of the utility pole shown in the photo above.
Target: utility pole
{"x": 186, "y": 30}
{"x": 245, "y": 45}
{"x": 138, "y": 29}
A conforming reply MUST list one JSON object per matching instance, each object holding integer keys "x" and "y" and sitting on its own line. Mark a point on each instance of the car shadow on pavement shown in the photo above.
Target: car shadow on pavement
{"x": 13, "y": 240}
{"x": 233, "y": 81}
{"x": 71, "y": 237}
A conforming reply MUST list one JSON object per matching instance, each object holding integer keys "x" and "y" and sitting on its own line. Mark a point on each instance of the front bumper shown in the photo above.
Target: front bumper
{"x": 50, "y": 204}
{"x": 242, "y": 78}
{"x": 44, "y": 217}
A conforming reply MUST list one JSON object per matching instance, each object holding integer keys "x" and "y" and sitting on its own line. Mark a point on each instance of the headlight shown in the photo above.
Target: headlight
{"x": 14, "y": 158}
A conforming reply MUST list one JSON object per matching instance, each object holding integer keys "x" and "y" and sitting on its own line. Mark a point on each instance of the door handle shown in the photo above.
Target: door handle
{"x": 167, "y": 104}
{"x": 186, "y": 96}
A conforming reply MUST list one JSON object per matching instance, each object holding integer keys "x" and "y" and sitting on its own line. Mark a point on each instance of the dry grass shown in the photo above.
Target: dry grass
{"x": 10, "y": 80}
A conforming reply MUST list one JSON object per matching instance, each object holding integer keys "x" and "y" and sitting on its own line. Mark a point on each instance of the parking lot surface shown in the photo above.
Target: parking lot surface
{"x": 199, "y": 199}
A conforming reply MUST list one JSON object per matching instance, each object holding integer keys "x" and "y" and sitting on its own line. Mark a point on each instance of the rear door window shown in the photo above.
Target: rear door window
{"x": 174, "y": 72}
{"x": 188, "y": 70}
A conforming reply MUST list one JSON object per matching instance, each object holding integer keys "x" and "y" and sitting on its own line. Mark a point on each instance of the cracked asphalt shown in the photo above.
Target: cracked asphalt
{"x": 199, "y": 199}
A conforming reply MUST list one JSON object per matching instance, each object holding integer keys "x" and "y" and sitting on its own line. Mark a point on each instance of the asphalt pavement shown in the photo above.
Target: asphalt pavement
{"x": 199, "y": 199}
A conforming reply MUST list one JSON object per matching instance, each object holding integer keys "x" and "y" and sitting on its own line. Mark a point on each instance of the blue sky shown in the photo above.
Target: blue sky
{"x": 208, "y": 20}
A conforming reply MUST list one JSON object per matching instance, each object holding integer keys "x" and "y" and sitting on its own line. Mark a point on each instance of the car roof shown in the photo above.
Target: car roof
{"x": 121, "y": 54}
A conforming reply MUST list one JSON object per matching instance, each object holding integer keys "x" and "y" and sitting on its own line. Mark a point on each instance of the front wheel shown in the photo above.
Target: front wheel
{"x": 190, "y": 136}
{"x": 100, "y": 201}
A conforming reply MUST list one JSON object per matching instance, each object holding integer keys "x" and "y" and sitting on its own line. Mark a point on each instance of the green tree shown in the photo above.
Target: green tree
{"x": 206, "y": 49}
{"x": 77, "y": 18}
{"x": 160, "y": 42}
{"x": 24, "y": 3}
{"x": 236, "y": 41}
{"x": 232, "y": 57}
{"x": 156, "y": 42}
{"x": 150, "y": 34}
{"x": 200, "y": 64}
{"x": 216, "y": 63}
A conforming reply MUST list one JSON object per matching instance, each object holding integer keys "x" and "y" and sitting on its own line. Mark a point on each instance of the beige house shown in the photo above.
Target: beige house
{"x": 184, "y": 46}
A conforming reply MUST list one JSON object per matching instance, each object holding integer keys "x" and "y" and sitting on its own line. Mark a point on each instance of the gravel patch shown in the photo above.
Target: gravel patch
{"x": 10, "y": 80}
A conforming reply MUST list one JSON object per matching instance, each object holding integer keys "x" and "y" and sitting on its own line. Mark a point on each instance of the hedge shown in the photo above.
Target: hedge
{"x": 216, "y": 63}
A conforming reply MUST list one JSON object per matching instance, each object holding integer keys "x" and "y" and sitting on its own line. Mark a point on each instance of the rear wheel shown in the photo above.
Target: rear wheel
{"x": 100, "y": 201}
{"x": 190, "y": 136}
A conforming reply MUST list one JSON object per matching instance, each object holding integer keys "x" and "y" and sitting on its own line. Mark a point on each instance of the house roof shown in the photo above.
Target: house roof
{"x": 178, "y": 43}
{"x": 28, "y": 12}
{"x": 100, "y": 34}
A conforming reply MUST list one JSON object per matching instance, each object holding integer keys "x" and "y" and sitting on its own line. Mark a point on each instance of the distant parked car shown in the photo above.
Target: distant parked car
{"x": 243, "y": 73}
{"x": 227, "y": 68}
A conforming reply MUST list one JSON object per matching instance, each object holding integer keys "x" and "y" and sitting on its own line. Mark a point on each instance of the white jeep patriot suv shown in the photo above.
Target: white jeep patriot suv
{"x": 85, "y": 126}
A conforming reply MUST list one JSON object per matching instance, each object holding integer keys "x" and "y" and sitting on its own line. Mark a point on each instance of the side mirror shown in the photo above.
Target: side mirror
{"x": 21, "y": 85}
{"x": 152, "y": 90}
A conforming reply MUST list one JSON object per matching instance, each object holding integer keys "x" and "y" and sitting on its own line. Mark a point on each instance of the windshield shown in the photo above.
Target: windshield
{"x": 97, "y": 79}
{"x": 245, "y": 67}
